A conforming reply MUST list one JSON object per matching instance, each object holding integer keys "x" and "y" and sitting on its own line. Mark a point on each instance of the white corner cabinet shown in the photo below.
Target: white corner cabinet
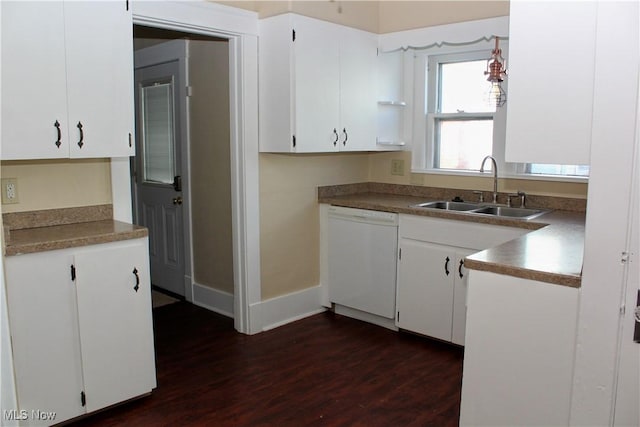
{"x": 67, "y": 79}
{"x": 519, "y": 353}
{"x": 317, "y": 86}
{"x": 81, "y": 328}
{"x": 552, "y": 52}
{"x": 432, "y": 280}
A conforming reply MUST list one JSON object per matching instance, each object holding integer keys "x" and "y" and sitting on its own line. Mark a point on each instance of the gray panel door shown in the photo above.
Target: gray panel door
{"x": 158, "y": 172}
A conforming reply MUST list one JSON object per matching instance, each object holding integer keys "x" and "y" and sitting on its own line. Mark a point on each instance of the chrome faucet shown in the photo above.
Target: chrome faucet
{"x": 495, "y": 176}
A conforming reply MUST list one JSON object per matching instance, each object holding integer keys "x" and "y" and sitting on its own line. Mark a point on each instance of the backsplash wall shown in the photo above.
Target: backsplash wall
{"x": 380, "y": 171}
{"x": 48, "y": 184}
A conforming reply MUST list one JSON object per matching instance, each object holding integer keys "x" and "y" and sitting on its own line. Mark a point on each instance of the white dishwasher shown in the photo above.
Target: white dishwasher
{"x": 363, "y": 247}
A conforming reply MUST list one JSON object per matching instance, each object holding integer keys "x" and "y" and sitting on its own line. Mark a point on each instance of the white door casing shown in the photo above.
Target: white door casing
{"x": 241, "y": 28}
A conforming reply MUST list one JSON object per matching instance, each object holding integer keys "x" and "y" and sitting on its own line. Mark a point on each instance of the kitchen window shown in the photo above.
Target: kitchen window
{"x": 460, "y": 121}
{"x": 457, "y": 125}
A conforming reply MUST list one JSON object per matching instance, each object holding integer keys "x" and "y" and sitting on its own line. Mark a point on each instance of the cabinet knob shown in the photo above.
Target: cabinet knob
{"x": 177, "y": 200}
{"x": 335, "y": 141}
{"x": 446, "y": 266}
{"x": 460, "y": 268}
{"x": 346, "y": 136}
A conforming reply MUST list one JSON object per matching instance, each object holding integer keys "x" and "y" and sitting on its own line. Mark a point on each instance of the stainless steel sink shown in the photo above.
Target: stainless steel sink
{"x": 504, "y": 211}
{"x": 483, "y": 209}
{"x": 449, "y": 206}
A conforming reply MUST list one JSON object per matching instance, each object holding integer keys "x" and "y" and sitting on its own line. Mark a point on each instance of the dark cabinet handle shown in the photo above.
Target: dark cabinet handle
{"x": 346, "y": 137}
{"x": 446, "y": 265}
{"x": 57, "y": 126}
{"x": 135, "y": 273}
{"x": 335, "y": 132}
{"x": 460, "y": 268}
{"x": 81, "y": 142}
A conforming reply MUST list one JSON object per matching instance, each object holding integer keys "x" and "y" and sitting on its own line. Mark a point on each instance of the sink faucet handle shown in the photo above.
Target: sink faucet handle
{"x": 520, "y": 194}
{"x": 523, "y": 197}
{"x": 480, "y": 196}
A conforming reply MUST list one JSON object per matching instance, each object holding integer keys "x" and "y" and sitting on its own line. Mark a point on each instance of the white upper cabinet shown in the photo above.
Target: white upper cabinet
{"x": 551, "y": 78}
{"x": 67, "y": 80}
{"x": 99, "y": 40}
{"x": 317, "y": 86}
{"x": 358, "y": 90}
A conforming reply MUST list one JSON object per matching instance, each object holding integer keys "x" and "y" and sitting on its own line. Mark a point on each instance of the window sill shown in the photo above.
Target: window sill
{"x": 531, "y": 177}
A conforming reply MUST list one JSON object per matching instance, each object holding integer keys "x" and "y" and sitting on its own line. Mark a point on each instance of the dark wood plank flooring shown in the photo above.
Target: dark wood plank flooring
{"x": 323, "y": 370}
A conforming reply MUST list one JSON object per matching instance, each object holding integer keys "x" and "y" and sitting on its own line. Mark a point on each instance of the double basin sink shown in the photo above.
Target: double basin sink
{"x": 484, "y": 209}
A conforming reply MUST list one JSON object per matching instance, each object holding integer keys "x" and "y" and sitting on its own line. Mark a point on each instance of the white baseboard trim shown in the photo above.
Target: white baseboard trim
{"x": 213, "y": 299}
{"x": 188, "y": 289}
{"x": 278, "y": 311}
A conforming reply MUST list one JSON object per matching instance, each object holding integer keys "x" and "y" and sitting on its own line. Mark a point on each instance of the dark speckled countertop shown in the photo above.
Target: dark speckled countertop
{"x": 38, "y": 231}
{"x": 552, "y": 252}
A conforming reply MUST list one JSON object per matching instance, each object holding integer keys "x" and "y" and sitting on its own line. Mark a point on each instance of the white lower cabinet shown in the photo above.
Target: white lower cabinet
{"x": 81, "y": 328}
{"x": 427, "y": 301}
{"x": 432, "y": 282}
{"x": 519, "y": 353}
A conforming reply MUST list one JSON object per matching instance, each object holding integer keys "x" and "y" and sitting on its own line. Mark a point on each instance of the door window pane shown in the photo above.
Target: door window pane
{"x": 158, "y": 133}
{"x": 463, "y": 143}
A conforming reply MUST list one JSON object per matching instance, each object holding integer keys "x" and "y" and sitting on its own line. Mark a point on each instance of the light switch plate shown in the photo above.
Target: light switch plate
{"x": 9, "y": 191}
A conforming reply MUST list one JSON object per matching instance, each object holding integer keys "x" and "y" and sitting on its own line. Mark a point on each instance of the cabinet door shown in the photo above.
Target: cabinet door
{"x": 425, "y": 288}
{"x": 358, "y": 84}
{"x": 44, "y": 333}
{"x": 100, "y": 78}
{"x": 114, "y": 311}
{"x": 316, "y": 85}
{"x": 33, "y": 81}
{"x": 551, "y": 78}
{"x": 460, "y": 297}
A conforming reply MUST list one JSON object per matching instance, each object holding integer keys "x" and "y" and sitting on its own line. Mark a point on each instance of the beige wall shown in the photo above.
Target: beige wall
{"x": 48, "y": 184}
{"x": 356, "y": 14}
{"x": 289, "y": 230}
{"x": 210, "y": 164}
{"x": 380, "y": 171}
{"x": 406, "y": 15}
{"x": 381, "y": 16}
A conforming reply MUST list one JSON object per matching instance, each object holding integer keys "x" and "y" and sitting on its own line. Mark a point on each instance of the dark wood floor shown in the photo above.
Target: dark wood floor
{"x": 323, "y": 370}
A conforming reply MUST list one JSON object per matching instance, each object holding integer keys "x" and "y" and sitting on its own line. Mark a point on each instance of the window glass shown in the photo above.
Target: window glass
{"x": 158, "y": 132}
{"x": 461, "y": 122}
{"x": 463, "y": 143}
{"x": 464, "y": 87}
{"x": 566, "y": 170}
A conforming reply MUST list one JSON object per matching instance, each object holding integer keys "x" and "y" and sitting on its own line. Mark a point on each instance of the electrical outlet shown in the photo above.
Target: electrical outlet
{"x": 397, "y": 167}
{"x": 9, "y": 191}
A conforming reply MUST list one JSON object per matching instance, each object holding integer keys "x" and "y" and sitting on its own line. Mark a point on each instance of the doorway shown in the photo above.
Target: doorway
{"x": 181, "y": 179}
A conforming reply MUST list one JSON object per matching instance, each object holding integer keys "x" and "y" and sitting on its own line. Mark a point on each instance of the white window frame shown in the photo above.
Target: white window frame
{"x": 426, "y": 91}
{"x": 432, "y": 100}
